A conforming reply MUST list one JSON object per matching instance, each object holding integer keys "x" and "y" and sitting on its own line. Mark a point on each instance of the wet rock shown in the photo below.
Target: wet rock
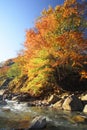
{"x": 78, "y": 119}
{"x": 58, "y": 105}
{"x": 15, "y": 98}
{"x": 22, "y": 97}
{"x": 53, "y": 99}
{"x": 38, "y": 122}
{"x": 1, "y": 97}
{"x": 7, "y": 95}
{"x": 85, "y": 109}
{"x": 7, "y": 109}
{"x": 72, "y": 103}
{"x": 2, "y": 103}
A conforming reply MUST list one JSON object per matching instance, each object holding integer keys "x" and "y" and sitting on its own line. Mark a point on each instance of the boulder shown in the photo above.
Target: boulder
{"x": 58, "y": 105}
{"x": 6, "y": 109}
{"x": 38, "y": 122}
{"x": 15, "y": 98}
{"x": 53, "y": 99}
{"x": 2, "y": 92}
{"x": 84, "y": 97}
{"x": 85, "y": 109}
{"x": 64, "y": 95}
{"x": 72, "y": 103}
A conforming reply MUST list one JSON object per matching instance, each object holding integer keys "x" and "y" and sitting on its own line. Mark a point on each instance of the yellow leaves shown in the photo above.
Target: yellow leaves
{"x": 69, "y": 12}
{"x": 46, "y": 12}
{"x": 69, "y": 2}
{"x": 57, "y": 8}
{"x": 70, "y": 8}
{"x": 50, "y": 10}
{"x": 83, "y": 74}
{"x": 48, "y": 69}
{"x": 77, "y": 21}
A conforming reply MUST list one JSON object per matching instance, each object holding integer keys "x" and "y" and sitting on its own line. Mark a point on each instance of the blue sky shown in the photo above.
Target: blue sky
{"x": 15, "y": 17}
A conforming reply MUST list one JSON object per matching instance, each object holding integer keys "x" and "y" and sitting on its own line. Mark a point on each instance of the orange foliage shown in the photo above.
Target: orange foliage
{"x": 57, "y": 30}
{"x": 57, "y": 34}
{"x": 83, "y": 74}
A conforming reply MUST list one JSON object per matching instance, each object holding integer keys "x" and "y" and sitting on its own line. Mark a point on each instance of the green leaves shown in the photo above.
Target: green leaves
{"x": 14, "y": 71}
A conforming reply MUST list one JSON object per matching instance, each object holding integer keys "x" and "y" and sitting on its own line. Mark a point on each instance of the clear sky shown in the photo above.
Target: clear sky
{"x": 15, "y": 17}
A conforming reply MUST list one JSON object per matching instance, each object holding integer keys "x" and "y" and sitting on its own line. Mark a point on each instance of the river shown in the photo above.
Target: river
{"x": 15, "y": 116}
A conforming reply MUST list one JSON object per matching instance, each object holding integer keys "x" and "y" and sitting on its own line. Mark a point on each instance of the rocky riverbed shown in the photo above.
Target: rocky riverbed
{"x": 61, "y": 101}
{"x": 20, "y": 117}
{"x": 60, "y": 111}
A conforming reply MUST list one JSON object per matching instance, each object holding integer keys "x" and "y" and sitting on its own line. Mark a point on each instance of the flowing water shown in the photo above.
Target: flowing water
{"x": 14, "y": 116}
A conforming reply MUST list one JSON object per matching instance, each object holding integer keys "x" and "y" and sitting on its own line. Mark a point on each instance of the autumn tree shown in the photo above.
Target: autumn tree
{"x": 54, "y": 48}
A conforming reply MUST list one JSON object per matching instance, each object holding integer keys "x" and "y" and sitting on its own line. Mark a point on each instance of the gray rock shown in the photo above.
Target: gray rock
{"x": 21, "y": 97}
{"x": 7, "y": 109}
{"x": 72, "y": 103}
{"x": 38, "y": 122}
{"x": 85, "y": 109}
{"x": 2, "y": 103}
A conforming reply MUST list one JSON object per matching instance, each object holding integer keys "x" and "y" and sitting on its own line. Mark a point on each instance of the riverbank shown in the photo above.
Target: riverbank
{"x": 62, "y": 101}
